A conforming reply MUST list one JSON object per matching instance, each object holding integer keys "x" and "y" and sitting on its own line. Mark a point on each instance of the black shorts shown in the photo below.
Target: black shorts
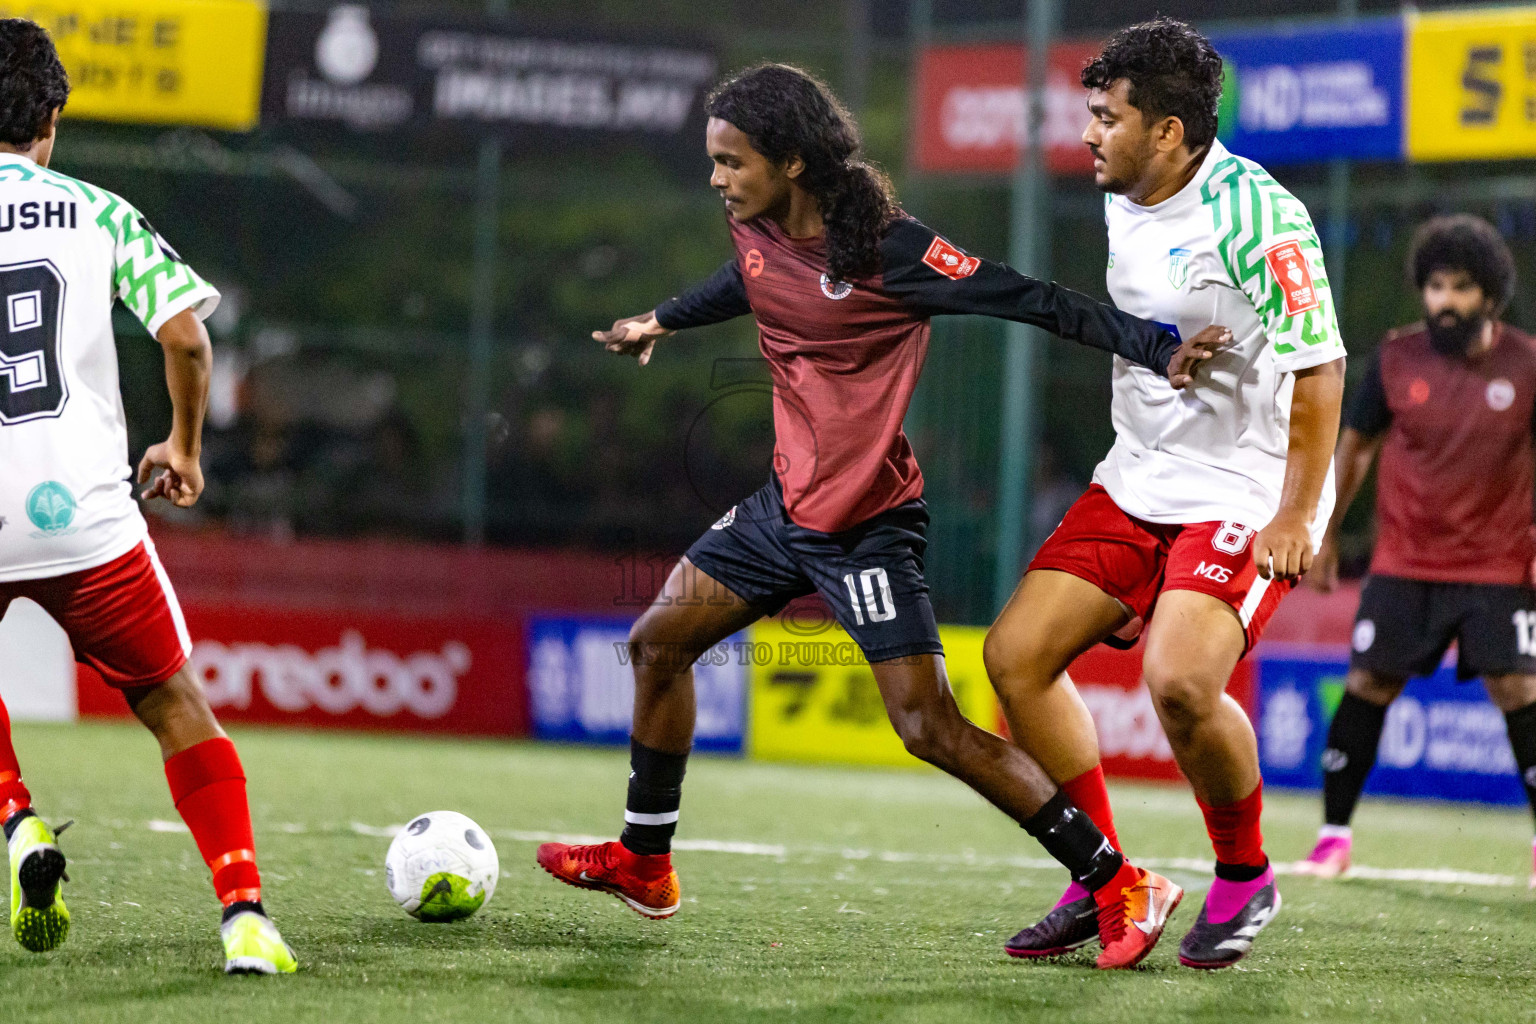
{"x": 870, "y": 575}
{"x": 1404, "y": 627}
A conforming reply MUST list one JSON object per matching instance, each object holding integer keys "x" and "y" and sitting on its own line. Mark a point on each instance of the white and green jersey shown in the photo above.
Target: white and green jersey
{"x": 1231, "y": 248}
{"x": 67, "y": 250}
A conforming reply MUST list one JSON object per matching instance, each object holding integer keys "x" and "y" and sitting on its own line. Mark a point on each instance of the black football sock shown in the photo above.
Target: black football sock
{"x": 15, "y": 820}
{"x": 1072, "y": 838}
{"x": 1240, "y": 872}
{"x": 655, "y": 794}
{"x": 1522, "y": 740}
{"x": 241, "y": 906}
{"x": 1351, "y": 754}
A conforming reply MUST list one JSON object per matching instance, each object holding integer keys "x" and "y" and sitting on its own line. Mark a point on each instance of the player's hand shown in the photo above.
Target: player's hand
{"x": 1203, "y": 346}
{"x": 1283, "y": 549}
{"x": 1324, "y": 574}
{"x": 180, "y": 481}
{"x": 633, "y": 336}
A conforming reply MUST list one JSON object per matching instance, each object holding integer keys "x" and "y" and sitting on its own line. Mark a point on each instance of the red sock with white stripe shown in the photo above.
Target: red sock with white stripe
{"x": 208, "y": 786}
{"x": 13, "y": 792}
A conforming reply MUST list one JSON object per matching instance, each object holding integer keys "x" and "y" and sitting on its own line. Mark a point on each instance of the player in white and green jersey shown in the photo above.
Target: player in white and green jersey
{"x": 72, "y": 538}
{"x": 1213, "y": 500}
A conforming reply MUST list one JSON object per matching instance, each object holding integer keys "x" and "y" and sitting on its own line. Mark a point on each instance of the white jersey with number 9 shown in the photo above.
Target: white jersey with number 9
{"x": 67, "y": 251}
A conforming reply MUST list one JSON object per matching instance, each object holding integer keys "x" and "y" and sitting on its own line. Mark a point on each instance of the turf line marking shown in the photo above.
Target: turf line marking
{"x": 1440, "y": 876}
{"x": 1426, "y": 876}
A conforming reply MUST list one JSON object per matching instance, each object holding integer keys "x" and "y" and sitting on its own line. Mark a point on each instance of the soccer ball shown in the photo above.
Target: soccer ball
{"x": 441, "y": 867}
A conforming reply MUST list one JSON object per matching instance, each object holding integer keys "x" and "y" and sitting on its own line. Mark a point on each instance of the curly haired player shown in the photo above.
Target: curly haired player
{"x": 1448, "y": 404}
{"x": 843, "y": 284}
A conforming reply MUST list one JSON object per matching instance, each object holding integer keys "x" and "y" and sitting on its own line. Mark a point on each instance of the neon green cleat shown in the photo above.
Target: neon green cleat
{"x": 252, "y": 945}
{"x": 39, "y": 919}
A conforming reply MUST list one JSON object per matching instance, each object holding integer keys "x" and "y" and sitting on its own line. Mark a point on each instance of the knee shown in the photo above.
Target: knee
{"x": 1372, "y": 688}
{"x": 930, "y": 732}
{"x": 655, "y": 655}
{"x": 1018, "y": 664}
{"x": 1182, "y": 701}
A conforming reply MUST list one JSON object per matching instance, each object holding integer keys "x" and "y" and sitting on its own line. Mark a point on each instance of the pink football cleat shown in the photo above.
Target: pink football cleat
{"x": 1330, "y": 857}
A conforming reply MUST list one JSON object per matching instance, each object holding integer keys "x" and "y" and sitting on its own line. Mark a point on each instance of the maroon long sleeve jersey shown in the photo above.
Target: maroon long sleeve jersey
{"x": 845, "y": 356}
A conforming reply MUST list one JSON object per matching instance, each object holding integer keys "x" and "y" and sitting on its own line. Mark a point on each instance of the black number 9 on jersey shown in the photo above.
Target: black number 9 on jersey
{"x": 31, "y": 336}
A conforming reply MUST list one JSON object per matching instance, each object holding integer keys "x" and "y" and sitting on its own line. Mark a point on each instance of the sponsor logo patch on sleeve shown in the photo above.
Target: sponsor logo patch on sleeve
{"x": 1291, "y": 272}
{"x": 949, "y": 261}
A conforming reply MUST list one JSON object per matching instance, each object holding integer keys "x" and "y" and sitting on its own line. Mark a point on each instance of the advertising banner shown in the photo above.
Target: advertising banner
{"x": 1472, "y": 85}
{"x": 1132, "y": 744}
{"x": 354, "y": 670}
{"x": 366, "y": 72}
{"x": 1314, "y": 94}
{"x": 968, "y": 101}
{"x": 581, "y": 684}
{"x": 814, "y": 697}
{"x": 1442, "y": 739}
{"x": 192, "y": 62}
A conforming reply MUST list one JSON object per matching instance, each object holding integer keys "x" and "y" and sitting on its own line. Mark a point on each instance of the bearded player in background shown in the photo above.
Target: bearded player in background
{"x": 1448, "y": 404}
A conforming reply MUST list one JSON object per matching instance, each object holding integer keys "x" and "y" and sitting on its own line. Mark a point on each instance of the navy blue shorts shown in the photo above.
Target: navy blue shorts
{"x": 1404, "y": 627}
{"x": 870, "y": 575}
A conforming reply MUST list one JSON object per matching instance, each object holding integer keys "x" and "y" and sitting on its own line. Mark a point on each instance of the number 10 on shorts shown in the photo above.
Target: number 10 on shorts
{"x": 878, "y": 604}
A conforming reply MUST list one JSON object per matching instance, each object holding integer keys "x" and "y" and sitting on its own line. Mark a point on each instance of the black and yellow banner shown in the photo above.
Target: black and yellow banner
{"x": 1472, "y": 85}
{"x": 814, "y": 697}
{"x": 191, "y": 62}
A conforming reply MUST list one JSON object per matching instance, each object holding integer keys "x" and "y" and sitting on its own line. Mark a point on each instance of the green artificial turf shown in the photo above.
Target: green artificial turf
{"x": 889, "y": 900}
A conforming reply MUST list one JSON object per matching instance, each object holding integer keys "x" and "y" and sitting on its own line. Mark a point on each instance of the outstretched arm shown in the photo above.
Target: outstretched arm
{"x": 722, "y": 296}
{"x": 936, "y": 277}
{"x": 188, "y": 363}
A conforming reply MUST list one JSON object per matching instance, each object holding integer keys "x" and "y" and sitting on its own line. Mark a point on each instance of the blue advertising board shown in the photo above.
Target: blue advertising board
{"x": 1298, "y": 95}
{"x": 581, "y": 684}
{"x": 1442, "y": 739}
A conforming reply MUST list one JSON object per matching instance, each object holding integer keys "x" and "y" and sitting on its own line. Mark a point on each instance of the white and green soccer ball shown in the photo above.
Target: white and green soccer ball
{"x": 441, "y": 867}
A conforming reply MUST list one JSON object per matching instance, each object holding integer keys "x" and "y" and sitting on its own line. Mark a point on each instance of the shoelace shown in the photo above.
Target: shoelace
{"x": 1112, "y": 918}
{"x": 600, "y": 854}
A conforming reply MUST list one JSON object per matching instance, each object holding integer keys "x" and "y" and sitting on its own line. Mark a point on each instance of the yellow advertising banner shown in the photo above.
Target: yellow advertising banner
{"x": 814, "y": 697}
{"x": 192, "y": 62}
{"x": 1472, "y": 85}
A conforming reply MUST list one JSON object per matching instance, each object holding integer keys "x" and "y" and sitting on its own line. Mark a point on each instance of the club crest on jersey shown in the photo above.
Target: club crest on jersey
{"x": 949, "y": 261}
{"x": 1290, "y": 271}
{"x": 1178, "y": 267}
{"x": 725, "y": 520}
{"x": 51, "y": 508}
{"x": 835, "y": 289}
{"x": 1500, "y": 394}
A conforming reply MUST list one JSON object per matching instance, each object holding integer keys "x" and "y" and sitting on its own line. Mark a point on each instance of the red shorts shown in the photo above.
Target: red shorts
{"x": 1134, "y": 561}
{"x": 122, "y": 618}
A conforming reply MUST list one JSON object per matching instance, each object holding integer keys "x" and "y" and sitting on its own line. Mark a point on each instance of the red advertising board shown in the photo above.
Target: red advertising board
{"x": 1132, "y": 744}
{"x": 351, "y": 669}
{"x": 969, "y": 104}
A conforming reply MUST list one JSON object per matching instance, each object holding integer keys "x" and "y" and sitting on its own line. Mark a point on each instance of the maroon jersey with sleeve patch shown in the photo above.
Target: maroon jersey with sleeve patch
{"x": 845, "y": 356}
{"x": 1454, "y": 485}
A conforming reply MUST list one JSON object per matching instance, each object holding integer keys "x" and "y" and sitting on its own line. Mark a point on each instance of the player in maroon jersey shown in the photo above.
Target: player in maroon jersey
{"x": 842, "y": 284}
{"x": 1449, "y": 405}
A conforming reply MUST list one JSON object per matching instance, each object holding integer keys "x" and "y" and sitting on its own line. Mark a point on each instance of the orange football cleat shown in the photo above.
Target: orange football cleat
{"x": 1133, "y": 908}
{"x": 646, "y": 883}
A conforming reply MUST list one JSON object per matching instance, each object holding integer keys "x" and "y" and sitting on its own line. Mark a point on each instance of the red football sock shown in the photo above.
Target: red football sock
{"x": 1234, "y": 829}
{"x": 208, "y": 786}
{"x": 13, "y": 792}
{"x": 1088, "y": 793}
